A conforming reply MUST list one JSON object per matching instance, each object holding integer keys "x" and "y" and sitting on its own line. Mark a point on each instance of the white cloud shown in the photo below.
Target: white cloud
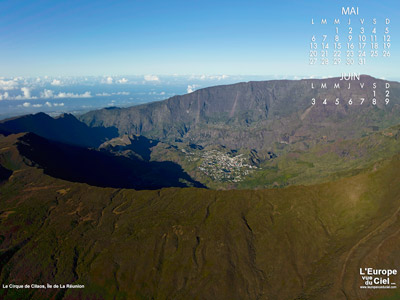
{"x": 209, "y": 77}
{"x": 109, "y": 80}
{"x": 37, "y": 105}
{"x": 191, "y": 88}
{"x": 27, "y": 92}
{"x": 112, "y": 94}
{"x": 26, "y": 104}
{"x": 56, "y": 82}
{"x": 8, "y": 84}
{"x": 4, "y": 96}
{"x": 49, "y": 94}
{"x": 103, "y": 94}
{"x": 123, "y": 80}
{"x": 86, "y": 95}
{"x": 49, "y": 104}
{"x": 156, "y": 93}
{"x": 72, "y": 95}
{"x": 151, "y": 78}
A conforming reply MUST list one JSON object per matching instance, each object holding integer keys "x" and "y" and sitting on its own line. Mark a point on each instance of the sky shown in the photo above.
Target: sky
{"x": 252, "y": 37}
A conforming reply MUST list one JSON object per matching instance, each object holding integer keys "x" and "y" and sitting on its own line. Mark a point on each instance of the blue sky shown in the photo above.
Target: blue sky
{"x": 256, "y": 37}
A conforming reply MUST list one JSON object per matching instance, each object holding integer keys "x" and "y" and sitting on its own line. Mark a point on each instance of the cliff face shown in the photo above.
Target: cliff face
{"x": 256, "y": 114}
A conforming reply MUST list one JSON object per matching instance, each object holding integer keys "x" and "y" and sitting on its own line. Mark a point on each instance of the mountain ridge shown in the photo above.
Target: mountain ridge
{"x": 252, "y": 114}
{"x": 64, "y": 128}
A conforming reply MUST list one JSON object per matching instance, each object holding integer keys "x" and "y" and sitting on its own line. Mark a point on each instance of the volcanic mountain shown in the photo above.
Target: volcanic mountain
{"x": 255, "y": 115}
{"x": 246, "y": 135}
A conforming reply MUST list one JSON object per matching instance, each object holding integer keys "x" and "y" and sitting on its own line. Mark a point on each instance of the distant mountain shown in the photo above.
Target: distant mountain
{"x": 257, "y": 114}
{"x": 65, "y": 128}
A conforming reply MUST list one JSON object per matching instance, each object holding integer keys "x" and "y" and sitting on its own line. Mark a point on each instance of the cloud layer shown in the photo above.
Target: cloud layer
{"x": 56, "y": 82}
{"x": 151, "y": 78}
{"x": 8, "y": 84}
{"x": 49, "y": 94}
{"x": 112, "y": 94}
{"x": 38, "y": 105}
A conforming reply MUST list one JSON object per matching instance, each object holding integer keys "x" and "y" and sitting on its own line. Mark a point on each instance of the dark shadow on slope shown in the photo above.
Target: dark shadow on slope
{"x": 66, "y": 129}
{"x": 4, "y": 174}
{"x": 99, "y": 168}
{"x": 4, "y": 132}
{"x": 140, "y": 145}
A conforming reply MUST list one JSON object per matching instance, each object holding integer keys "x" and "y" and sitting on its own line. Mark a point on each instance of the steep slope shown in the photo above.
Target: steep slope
{"x": 293, "y": 243}
{"x": 257, "y": 114}
{"x": 65, "y": 128}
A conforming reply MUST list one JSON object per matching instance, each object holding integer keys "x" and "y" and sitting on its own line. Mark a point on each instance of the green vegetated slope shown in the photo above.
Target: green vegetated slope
{"x": 326, "y": 161}
{"x": 281, "y": 165}
{"x": 300, "y": 242}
